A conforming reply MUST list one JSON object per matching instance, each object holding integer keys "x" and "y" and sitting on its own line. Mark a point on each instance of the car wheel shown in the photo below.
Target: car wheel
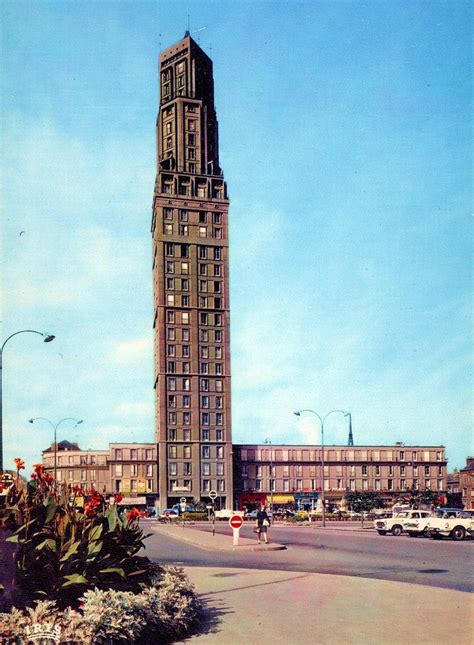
{"x": 458, "y": 533}
{"x": 397, "y": 530}
{"x": 382, "y": 532}
{"x": 436, "y": 536}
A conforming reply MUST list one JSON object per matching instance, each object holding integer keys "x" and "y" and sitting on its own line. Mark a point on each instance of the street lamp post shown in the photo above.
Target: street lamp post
{"x": 55, "y": 427}
{"x": 322, "y": 420}
{"x": 268, "y": 442}
{"x": 47, "y": 339}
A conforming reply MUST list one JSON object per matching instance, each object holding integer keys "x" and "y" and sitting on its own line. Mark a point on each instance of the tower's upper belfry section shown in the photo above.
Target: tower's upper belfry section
{"x": 187, "y": 101}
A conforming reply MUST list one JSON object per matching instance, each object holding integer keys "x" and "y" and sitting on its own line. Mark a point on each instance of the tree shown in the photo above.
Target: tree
{"x": 363, "y": 502}
{"x": 415, "y": 497}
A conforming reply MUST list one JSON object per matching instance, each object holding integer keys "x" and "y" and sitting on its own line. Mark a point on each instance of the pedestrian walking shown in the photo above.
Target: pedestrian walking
{"x": 262, "y": 524}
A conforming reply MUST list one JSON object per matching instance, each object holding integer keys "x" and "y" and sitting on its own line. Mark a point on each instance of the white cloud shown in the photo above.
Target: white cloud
{"x": 132, "y": 351}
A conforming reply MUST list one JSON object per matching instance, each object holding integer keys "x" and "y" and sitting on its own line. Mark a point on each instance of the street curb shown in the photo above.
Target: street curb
{"x": 189, "y": 539}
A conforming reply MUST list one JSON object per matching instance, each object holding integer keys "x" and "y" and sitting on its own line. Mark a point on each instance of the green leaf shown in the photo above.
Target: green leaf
{"x": 120, "y": 572}
{"x": 111, "y": 516}
{"x": 95, "y": 533}
{"x": 72, "y": 549}
{"x": 51, "y": 544}
{"x": 13, "y": 538}
{"x": 94, "y": 547}
{"x": 51, "y": 506}
{"x": 75, "y": 579}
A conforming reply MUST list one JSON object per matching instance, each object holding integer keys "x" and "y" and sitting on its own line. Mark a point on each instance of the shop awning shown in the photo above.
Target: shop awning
{"x": 282, "y": 499}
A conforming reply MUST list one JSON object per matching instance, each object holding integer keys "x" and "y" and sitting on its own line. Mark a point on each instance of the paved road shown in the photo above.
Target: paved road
{"x": 362, "y": 554}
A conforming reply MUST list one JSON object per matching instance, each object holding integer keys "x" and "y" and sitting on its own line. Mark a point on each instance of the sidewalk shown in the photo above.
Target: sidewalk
{"x": 293, "y": 608}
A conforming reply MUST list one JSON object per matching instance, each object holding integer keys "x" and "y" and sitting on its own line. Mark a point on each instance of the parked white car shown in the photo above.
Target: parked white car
{"x": 457, "y": 526}
{"x": 396, "y": 524}
{"x": 227, "y": 513}
{"x": 421, "y": 526}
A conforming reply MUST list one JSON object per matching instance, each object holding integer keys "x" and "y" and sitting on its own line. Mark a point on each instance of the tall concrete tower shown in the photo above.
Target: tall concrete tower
{"x": 191, "y": 285}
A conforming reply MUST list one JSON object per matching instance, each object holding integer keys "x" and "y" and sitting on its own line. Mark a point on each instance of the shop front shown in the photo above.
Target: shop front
{"x": 307, "y": 500}
{"x": 251, "y": 501}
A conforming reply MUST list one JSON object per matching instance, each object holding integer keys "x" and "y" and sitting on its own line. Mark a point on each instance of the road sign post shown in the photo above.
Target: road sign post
{"x": 235, "y": 524}
{"x": 213, "y": 495}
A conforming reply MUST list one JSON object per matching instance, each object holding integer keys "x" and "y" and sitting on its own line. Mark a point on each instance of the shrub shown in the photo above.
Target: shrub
{"x": 160, "y": 613}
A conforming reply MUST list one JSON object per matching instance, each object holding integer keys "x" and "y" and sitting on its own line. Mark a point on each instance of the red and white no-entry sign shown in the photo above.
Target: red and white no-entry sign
{"x": 236, "y": 521}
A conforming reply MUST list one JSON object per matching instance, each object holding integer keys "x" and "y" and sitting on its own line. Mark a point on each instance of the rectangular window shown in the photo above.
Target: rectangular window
{"x": 206, "y": 469}
{"x": 185, "y": 318}
{"x": 149, "y": 470}
{"x": 205, "y": 435}
{"x": 205, "y": 418}
{"x": 168, "y": 229}
{"x": 183, "y": 215}
{"x": 217, "y": 218}
{"x": 186, "y": 434}
{"x": 205, "y": 385}
{"x": 185, "y": 335}
{"x": 219, "y": 403}
{"x": 365, "y": 484}
{"x": 219, "y": 418}
{"x": 133, "y": 470}
{"x": 202, "y": 217}
{"x": 183, "y": 229}
{"x": 172, "y": 452}
{"x": 217, "y": 270}
{"x": 171, "y": 401}
{"x": 219, "y": 435}
{"x": 186, "y": 351}
{"x": 187, "y": 418}
{"x": 186, "y": 401}
{"x": 169, "y": 266}
{"x": 364, "y": 470}
{"x": 172, "y": 417}
{"x": 204, "y": 401}
{"x": 167, "y": 212}
{"x": 218, "y": 367}
{"x": 352, "y": 484}
{"x": 206, "y": 484}
{"x": 220, "y": 485}
{"x": 206, "y": 452}
{"x": 170, "y": 316}
{"x": 118, "y": 454}
{"x": 171, "y": 383}
{"x": 173, "y": 469}
{"x": 390, "y": 484}
{"x": 219, "y": 386}
{"x": 427, "y": 471}
{"x": 118, "y": 470}
{"x": 186, "y": 468}
{"x": 220, "y": 452}
{"x": 172, "y": 434}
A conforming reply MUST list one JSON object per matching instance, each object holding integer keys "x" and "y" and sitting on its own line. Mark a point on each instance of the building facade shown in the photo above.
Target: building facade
{"x": 292, "y": 475}
{"x": 466, "y": 484}
{"x": 127, "y": 468}
{"x": 191, "y": 285}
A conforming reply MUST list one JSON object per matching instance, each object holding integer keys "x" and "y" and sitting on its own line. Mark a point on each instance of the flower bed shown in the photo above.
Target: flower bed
{"x": 78, "y": 570}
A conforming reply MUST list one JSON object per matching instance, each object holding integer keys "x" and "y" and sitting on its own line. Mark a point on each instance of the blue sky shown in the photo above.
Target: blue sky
{"x": 345, "y": 140}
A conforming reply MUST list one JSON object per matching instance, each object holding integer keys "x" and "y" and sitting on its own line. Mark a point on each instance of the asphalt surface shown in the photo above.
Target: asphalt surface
{"x": 363, "y": 554}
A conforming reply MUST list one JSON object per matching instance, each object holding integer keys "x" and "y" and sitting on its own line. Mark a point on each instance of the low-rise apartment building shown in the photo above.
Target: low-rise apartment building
{"x": 293, "y": 475}
{"x": 128, "y": 468}
{"x": 466, "y": 481}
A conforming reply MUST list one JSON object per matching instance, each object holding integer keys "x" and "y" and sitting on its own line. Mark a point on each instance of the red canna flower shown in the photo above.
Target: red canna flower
{"x": 118, "y": 498}
{"x": 20, "y": 465}
{"x": 133, "y": 513}
{"x": 39, "y": 468}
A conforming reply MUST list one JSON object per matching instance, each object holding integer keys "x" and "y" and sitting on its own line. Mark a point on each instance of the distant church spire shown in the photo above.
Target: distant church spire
{"x": 350, "y": 441}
